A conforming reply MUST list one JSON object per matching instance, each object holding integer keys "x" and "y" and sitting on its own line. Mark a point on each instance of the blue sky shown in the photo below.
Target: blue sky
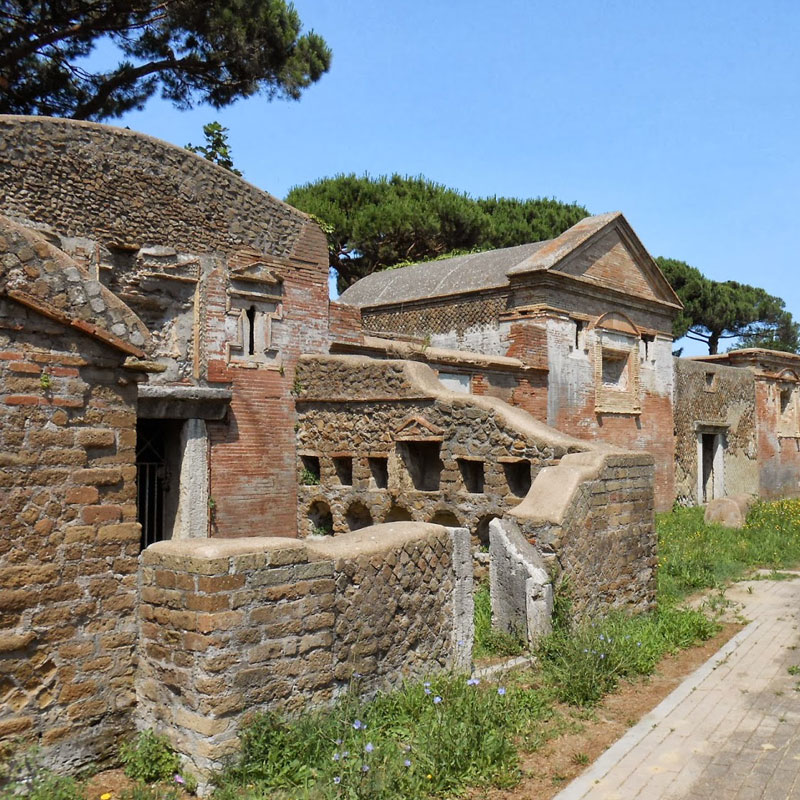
{"x": 682, "y": 115}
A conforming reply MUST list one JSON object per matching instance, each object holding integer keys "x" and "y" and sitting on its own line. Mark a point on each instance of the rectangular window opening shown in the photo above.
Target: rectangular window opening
{"x": 344, "y": 469}
{"x": 472, "y": 475}
{"x": 648, "y": 340}
{"x": 615, "y": 370}
{"x": 518, "y": 477}
{"x": 422, "y": 461}
{"x": 310, "y": 474}
{"x": 379, "y": 471}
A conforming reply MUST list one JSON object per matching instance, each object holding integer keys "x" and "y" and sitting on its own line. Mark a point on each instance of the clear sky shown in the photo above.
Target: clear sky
{"x": 682, "y": 115}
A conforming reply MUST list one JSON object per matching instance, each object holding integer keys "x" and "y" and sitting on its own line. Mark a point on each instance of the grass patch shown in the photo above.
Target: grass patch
{"x": 695, "y": 556}
{"x": 488, "y": 641}
{"x": 586, "y": 661}
{"x": 430, "y": 738}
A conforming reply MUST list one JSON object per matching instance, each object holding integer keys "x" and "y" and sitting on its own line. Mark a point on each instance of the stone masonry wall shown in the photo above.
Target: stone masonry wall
{"x": 237, "y": 626}
{"x": 121, "y": 187}
{"x": 592, "y": 519}
{"x": 717, "y": 398}
{"x": 69, "y": 539}
{"x": 355, "y": 414}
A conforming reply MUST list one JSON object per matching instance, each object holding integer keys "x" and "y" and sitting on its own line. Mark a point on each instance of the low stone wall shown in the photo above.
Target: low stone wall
{"x": 592, "y": 518}
{"x": 243, "y": 625}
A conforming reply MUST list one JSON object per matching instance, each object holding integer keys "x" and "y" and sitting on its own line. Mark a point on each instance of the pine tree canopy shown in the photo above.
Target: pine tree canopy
{"x": 377, "y": 223}
{"x": 716, "y": 310}
{"x": 189, "y": 50}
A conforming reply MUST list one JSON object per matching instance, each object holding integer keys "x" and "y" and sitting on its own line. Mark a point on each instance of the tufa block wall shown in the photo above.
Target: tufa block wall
{"x": 591, "y": 517}
{"x": 354, "y": 412}
{"x": 243, "y": 625}
{"x": 717, "y": 398}
{"x": 70, "y": 540}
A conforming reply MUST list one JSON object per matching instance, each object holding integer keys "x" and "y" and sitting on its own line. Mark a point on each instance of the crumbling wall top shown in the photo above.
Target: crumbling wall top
{"x": 129, "y": 190}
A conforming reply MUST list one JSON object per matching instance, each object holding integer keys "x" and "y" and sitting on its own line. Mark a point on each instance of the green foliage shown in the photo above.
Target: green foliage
{"x": 190, "y": 52}
{"x": 488, "y": 641}
{"x": 430, "y": 738}
{"x": 149, "y": 757}
{"x": 584, "y": 662}
{"x": 22, "y": 776}
{"x": 375, "y": 223}
{"x": 308, "y": 478}
{"x": 323, "y": 529}
{"x": 45, "y": 382}
{"x": 216, "y": 149}
{"x": 714, "y": 310}
{"x": 695, "y": 556}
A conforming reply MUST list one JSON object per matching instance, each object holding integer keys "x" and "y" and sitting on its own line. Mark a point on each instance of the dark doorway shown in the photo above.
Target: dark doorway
{"x": 712, "y": 448}
{"x": 157, "y": 467}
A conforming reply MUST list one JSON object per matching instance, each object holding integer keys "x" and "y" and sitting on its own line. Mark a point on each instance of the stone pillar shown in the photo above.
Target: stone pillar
{"x": 191, "y": 521}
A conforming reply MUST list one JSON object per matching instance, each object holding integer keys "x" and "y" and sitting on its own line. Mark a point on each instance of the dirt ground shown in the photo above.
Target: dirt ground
{"x": 547, "y": 771}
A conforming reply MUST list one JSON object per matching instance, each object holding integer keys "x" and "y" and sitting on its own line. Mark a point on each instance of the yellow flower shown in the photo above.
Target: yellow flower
{"x": 430, "y": 777}
{"x": 106, "y": 796}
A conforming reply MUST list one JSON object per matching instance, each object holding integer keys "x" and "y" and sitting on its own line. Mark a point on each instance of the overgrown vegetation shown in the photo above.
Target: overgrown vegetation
{"x": 695, "y": 556}
{"x": 430, "y": 738}
{"x": 489, "y": 641}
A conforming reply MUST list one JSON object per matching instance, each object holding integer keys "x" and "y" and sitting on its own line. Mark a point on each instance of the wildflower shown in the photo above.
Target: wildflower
{"x": 337, "y": 780}
{"x": 501, "y": 691}
{"x": 106, "y": 796}
{"x": 365, "y": 767}
{"x": 407, "y": 763}
{"x": 602, "y": 637}
{"x": 638, "y": 644}
{"x": 178, "y": 779}
{"x": 369, "y": 748}
{"x": 602, "y": 655}
{"x": 359, "y": 725}
{"x": 427, "y": 684}
{"x": 338, "y": 741}
{"x": 437, "y": 700}
{"x": 429, "y": 776}
{"x": 473, "y": 681}
{"x": 428, "y": 691}
{"x": 407, "y": 748}
{"x": 336, "y": 756}
{"x": 345, "y": 753}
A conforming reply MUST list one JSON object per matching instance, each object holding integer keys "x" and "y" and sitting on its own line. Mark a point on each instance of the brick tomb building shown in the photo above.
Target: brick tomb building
{"x": 185, "y": 416}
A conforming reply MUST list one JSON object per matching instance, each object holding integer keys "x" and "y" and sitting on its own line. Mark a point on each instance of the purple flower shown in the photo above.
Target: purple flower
{"x": 338, "y": 741}
{"x": 437, "y": 700}
{"x": 369, "y": 748}
{"x": 473, "y": 681}
{"x": 501, "y": 691}
{"x": 359, "y": 725}
{"x": 426, "y": 684}
{"x": 345, "y": 754}
{"x": 428, "y": 691}
{"x": 338, "y": 779}
{"x": 177, "y": 778}
{"x": 407, "y": 763}
{"x": 365, "y": 767}
{"x": 335, "y": 756}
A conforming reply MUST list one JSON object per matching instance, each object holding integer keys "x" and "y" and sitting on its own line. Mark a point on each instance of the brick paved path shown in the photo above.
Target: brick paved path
{"x": 730, "y": 731}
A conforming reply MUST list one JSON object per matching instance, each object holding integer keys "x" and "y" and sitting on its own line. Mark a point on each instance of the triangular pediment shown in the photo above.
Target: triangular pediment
{"x": 614, "y": 258}
{"x": 418, "y": 429}
{"x": 259, "y": 272}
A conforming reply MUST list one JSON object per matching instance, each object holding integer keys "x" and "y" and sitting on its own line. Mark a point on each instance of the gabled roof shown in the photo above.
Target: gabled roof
{"x": 494, "y": 269}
